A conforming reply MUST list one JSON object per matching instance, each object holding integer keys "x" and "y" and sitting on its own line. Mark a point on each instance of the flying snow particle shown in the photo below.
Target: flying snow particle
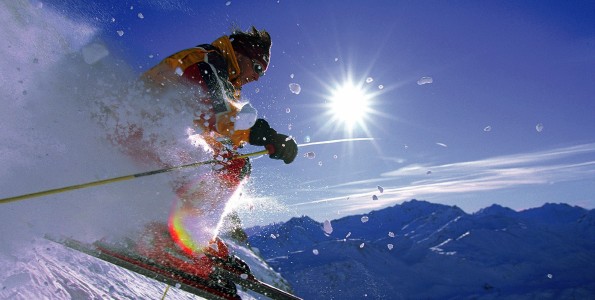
{"x": 362, "y": 245}
{"x": 369, "y": 79}
{"x": 336, "y": 59}
{"x": 348, "y": 235}
{"x": 374, "y": 197}
{"x": 244, "y": 276}
{"x": 228, "y": 3}
{"x": 307, "y": 139}
{"x": 289, "y": 126}
{"x": 335, "y": 156}
{"x": 315, "y": 251}
{"x": 425, "y": 80}
{"x": 295, "y": 88}
{"x": 273, "y": 236}
{"x": 380, "y": 87}
{"x": 246, "y": 118}
{"x": 178, "y": 285}
{"x": 113, "y": 20}
{"x": 257, "y": 90}
{"x": 364, "y": 219}
{"x": 442, "y": 145}
{"x": 141, "y": 16}
{"x": 487, "y": 129}
{"x": 287, "y": 110}
{"x": 320, "y": 163}
{"x": 391, "y": 234}
{"x": 93, "y": 53}
{"x": 291, "y": 76}
{"x": 310, "y": 155}
{"x": 380, "y": 189}
{"x": 179, "y": 71}
{"x": 120, "y": 32}
{"x": 327, "y": 227}
{"x": 550, "y": 276}
{"x": 539, "y": 127}
{"x": 390, "y": 246}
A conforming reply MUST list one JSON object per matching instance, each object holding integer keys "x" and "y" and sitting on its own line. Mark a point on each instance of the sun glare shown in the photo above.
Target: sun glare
{"x": 349, "y": 105}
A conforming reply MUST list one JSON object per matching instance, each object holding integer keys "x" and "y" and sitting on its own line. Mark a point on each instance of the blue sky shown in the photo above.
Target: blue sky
{"x": 499, "y": 70}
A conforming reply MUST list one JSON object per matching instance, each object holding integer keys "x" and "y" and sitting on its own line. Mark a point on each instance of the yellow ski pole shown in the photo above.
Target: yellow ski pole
{"x": 165, "y": 292}
{"x": 121, "y": 178}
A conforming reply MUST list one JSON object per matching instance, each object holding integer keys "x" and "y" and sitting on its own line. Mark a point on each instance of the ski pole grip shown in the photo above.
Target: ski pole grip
{"x": 270, "y": 149}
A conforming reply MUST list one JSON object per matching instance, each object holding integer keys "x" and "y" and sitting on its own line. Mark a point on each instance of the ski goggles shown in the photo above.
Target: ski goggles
{"x": 258, "y": 68}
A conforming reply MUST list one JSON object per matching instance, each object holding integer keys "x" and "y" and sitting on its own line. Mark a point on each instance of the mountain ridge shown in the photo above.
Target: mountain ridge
{"x": 397, "y": 252}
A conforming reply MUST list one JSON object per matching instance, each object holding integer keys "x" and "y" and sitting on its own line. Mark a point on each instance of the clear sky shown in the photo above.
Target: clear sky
{"x": 467, "y": 103}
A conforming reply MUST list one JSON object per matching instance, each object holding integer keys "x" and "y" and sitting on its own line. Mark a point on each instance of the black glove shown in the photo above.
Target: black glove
{"x": 283, "y": 147}
{"x": 279, "y": 146}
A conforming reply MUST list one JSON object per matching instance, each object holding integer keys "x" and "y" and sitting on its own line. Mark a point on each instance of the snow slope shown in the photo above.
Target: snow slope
{"x": 420, "y": 250}
{"x": 46, "y": 270}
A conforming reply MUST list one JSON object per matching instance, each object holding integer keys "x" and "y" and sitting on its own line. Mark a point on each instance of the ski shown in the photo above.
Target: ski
{"x": 209, "y": 289}
{"x": 196, "y": 286}
{"x": 248, "y": 281}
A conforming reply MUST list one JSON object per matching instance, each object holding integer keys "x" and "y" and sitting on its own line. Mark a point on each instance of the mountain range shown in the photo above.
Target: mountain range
{"x": 422, "y": 250}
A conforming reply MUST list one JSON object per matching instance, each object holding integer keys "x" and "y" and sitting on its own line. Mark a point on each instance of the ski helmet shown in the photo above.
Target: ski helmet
{"x": 256, "y": 44}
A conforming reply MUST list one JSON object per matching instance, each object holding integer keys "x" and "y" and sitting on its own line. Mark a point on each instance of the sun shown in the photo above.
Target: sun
{"x": 349, "y": 106}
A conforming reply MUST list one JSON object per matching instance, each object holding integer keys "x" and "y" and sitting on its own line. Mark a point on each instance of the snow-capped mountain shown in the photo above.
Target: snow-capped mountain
{"x": 420, "y": 250}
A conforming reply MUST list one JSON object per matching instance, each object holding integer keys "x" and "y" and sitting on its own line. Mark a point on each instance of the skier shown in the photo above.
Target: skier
{"x": 215, "y": 74}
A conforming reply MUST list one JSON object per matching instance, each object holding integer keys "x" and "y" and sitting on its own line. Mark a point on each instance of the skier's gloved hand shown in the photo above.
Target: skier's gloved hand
{"x": 279, "y": 146}
{"x": 283, "y": 147}
{"x": 261, "y": 133}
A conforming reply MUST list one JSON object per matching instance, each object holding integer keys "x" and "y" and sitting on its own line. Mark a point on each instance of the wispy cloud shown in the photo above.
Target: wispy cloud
{"x": 495, "y": 173}
{"x": 511, "y": 161}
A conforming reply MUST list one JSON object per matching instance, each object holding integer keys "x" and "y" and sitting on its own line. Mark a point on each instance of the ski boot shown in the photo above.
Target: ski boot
{"x": 219, "y": 255}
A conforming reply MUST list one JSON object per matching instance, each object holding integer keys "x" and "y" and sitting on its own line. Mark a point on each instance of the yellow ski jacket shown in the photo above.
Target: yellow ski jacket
{"x": 214, "y": 67}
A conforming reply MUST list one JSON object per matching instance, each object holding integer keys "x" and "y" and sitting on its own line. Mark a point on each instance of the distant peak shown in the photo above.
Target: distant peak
{"x": 302, "y": 220}
{"x": 554, "y": 213}
{"x": 422, "y": 204}
{"x": 496, "y": 209}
